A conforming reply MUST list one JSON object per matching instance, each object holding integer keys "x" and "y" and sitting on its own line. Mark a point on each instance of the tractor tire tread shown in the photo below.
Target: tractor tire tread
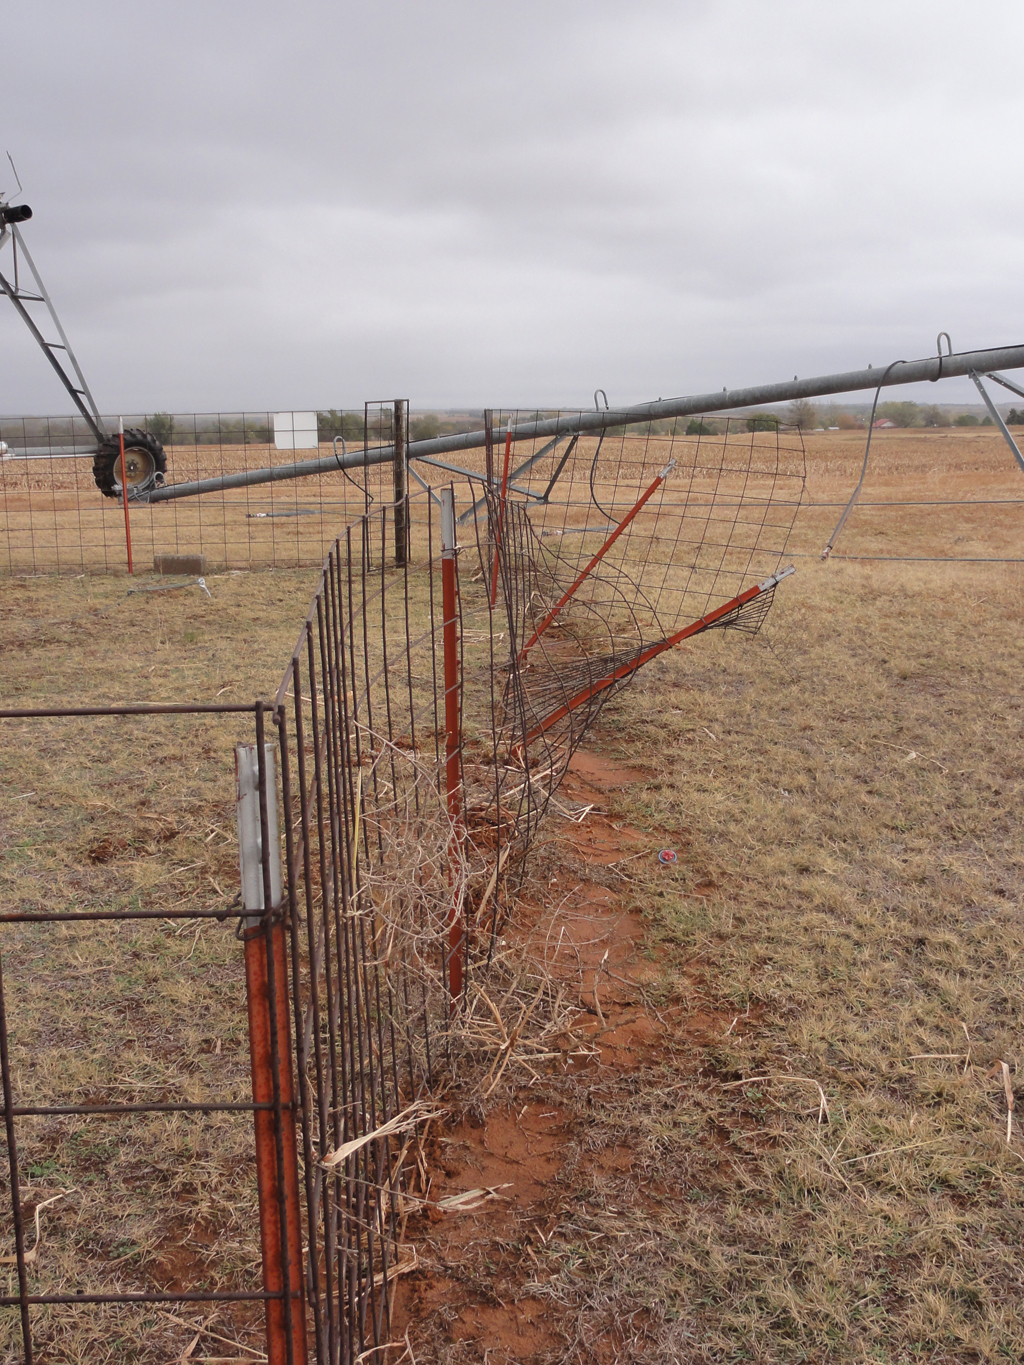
{"x": 105, "y": 461}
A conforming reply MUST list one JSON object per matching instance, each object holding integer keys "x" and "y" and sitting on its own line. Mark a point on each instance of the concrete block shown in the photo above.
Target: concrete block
{"x": 186, "y": 564}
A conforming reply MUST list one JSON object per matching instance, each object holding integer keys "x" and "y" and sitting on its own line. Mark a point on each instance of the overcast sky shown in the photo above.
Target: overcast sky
{"x": 258, "y": 205}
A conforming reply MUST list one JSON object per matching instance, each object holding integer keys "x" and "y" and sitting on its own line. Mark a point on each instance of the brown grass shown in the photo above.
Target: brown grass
{"x": 810, "y": 1162}
{"x": 823, "y": 1174}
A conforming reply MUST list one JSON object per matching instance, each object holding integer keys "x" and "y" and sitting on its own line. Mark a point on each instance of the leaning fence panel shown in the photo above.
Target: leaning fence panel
{"x": 371, "y": 874}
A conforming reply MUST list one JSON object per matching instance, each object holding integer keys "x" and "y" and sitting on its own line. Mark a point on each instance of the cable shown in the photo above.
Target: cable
{"x": 864, "y": 468}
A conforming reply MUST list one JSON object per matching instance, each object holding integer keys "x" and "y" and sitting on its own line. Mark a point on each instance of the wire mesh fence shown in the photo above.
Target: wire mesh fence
{"x": 130, "y": 1190}
{"x": 56, "y": 520}
{"x": 374, "y": 874}
{"x": 424, "y": 721}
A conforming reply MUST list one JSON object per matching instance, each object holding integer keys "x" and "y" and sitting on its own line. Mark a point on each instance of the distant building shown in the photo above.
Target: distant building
{"x": 884, "y": 423}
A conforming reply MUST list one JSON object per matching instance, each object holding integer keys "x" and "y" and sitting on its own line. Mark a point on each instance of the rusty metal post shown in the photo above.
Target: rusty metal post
{"x": 401, "y": 464}
{"x": 124, "y": 495}
{"x": 452, "y": 721}
{"x": 266, "y": 979}
{"x": 12, "y": 1158}
{"x": 501, "y": 514}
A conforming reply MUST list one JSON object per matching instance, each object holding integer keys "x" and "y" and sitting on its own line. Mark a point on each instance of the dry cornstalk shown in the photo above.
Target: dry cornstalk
{"x": 31, "y": 1256}
{"x": 400, "y": 1123}
{"x": 823, "y": 1113}
{"x": 251, "y": 1356}
{"x": 1008, "y": 1091}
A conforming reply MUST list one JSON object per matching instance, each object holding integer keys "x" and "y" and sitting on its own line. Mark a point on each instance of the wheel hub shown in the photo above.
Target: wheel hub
{"x": 139, "y": 467}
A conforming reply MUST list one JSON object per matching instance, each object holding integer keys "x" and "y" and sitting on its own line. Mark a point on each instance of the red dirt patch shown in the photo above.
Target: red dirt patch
{"x": 515, "y": 1156}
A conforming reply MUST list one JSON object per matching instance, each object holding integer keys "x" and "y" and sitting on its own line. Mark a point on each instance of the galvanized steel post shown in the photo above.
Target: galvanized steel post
{"x": 401, "y": 461}
{"x": 452, "y": 724}
{"x": 960, "y": 363}
{"x": 266, "y": 980}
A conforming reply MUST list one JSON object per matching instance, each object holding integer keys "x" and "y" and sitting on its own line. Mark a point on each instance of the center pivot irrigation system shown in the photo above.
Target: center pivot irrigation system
{"x": 145, "y": 462}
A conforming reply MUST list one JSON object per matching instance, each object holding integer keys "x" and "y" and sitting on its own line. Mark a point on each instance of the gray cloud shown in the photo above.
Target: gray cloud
{"x": 242, "y": 206}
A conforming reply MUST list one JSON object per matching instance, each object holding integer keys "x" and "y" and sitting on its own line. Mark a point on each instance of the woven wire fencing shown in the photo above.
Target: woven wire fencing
{"x": 56, "y": 520}
{"x": 601, "y": 551}
{"x": 374, "y": 874}
{"x": 166, "y": 1171}
{"x": 459, "y": 645}
{"x": 129, "y": 1213}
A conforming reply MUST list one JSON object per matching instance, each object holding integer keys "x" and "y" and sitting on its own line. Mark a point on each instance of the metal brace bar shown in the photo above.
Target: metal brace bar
{"x": 558, "y": 472}
{"x": 65, "y": 345}
{"x": 94, "y": 426}
{"x": 1006, "y": 383}
{"x": 522, "y": 469}
{"x": 994, "y": 414}
{"x": 454, "y": 469}
{"x": 423, "y": 484}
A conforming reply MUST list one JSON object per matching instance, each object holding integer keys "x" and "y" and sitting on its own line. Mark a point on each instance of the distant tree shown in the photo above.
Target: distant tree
{"x": 700, "y": 426}
{"x": 900, "y": 414}
{"x": 333, "y": 423}
{"x": 966, "y": 419}
{"x": 848, "y": 421}
{"x": 763, "y": 421}
{"x": 802, "y": 415}
{"x": 425, "y": 428}
{"x": 161, "y": 425}
{"x": 934, "y": 416}
{"x": 987, "y": 422}
{"x": 1015, "y": 418}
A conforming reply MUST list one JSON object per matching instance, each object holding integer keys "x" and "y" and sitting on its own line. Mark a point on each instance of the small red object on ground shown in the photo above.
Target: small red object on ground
{"x": 668, "y": 855}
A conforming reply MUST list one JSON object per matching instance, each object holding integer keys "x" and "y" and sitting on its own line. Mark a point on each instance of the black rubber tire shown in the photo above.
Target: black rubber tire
{"x": 106, "y": 464}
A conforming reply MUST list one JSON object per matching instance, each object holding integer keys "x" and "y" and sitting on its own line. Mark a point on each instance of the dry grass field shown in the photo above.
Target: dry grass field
{"x": 793, "y": 1146}
{"x": 822, "y": 1169}
{"x": 802, "y": 1155}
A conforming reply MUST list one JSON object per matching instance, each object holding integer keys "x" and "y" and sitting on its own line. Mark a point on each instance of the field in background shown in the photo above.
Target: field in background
{"x": 922, "y": 469}
{"x": 808, "y": 1161}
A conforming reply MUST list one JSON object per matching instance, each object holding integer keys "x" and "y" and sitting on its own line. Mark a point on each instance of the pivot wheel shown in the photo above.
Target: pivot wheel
{"x": 144, "y": 464}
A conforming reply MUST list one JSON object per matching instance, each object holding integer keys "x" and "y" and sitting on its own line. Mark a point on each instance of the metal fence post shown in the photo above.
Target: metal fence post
{"x": 401, "y": 460}
{"x": 501, "y": 513}
{"x": 124, "y": 496}
{"x": 12, "y": 1158}
{"x": 266, "y": 979}
{"x": 452, "y": 721}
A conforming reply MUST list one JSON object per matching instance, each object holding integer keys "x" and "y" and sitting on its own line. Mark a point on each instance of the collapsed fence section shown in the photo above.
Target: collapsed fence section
{"x": 603, "y": 551}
